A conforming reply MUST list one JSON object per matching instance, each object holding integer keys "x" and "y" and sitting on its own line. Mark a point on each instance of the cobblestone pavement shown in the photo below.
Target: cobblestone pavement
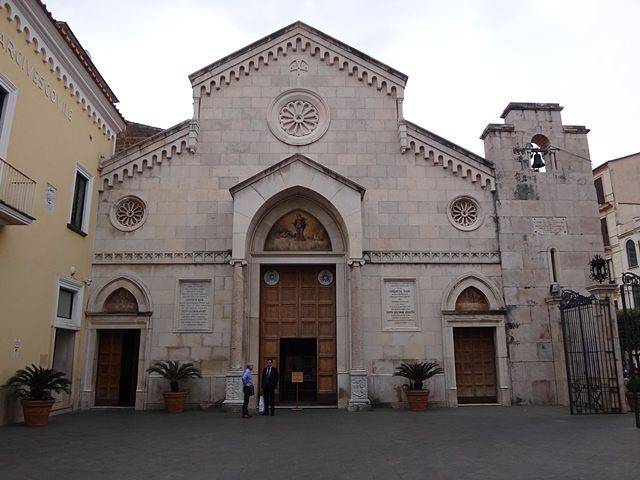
{"x": 464, "y": 443}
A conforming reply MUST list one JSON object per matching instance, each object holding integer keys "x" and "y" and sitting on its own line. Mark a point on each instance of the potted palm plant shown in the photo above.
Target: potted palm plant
{"x": 417, "y": 373}
{"x": 34, "y": 386}
{"x": 175, "y": 372}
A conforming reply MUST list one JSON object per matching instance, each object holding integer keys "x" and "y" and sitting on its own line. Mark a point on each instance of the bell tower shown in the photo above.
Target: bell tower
{"x": 548, "y": 229}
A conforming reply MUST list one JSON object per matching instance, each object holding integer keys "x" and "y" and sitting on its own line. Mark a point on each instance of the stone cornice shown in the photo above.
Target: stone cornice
{"x": 430, "y": 257}
{"x": 145, "y": 154}
{"x": 297, "y": 38}
{"x": 451, "y": 157}
{"x": 33, "y": 21}
{"x": 221, "y": 257}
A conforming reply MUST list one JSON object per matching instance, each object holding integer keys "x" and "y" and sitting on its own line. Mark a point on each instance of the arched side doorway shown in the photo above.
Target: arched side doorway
{"x": 474, "y": 341}
{"x": 117, "y": 339}
{"x": 260, "y": 202}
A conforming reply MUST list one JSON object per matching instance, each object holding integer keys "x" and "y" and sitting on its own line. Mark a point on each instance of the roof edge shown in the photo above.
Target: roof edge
{"x": 550, "y": 107}
{"x": 284, "y": 30}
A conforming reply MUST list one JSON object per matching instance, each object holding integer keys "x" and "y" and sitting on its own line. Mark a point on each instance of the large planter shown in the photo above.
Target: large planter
{"x": 36, "y": 412}
{"x": 418, "y": 400}
{"x": 174, "y": 401}
{"x": 630, "y": 400}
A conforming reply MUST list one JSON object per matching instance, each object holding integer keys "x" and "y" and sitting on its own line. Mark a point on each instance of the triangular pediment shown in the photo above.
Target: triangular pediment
{"x": 281, "y": 169}
{"x": 298, "y": 38}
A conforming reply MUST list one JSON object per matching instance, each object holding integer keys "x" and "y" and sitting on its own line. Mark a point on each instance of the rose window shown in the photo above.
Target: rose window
{"x": 299, "y": 118}
{"x": 464, "y": 213}
{"x": 128, "y": 213}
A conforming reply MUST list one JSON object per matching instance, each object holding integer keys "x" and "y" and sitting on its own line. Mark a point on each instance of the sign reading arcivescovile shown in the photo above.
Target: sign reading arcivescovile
{"x": 194, "y": 306}
{"x": 399, "y": 297}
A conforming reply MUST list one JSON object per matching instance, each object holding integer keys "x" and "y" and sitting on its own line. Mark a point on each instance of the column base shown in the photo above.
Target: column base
{"x": 359, "y": 399}
{"x": 233, "y": 396}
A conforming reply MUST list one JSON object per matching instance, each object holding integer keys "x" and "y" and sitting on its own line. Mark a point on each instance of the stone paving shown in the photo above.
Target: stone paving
{"x": 464, "y": 443}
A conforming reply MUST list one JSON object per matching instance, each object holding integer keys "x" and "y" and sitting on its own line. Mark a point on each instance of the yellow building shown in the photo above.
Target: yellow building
{"x": 57, "y": 120}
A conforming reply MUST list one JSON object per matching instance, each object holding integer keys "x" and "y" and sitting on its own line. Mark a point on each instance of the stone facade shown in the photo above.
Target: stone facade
{"x": 300, "y": 120}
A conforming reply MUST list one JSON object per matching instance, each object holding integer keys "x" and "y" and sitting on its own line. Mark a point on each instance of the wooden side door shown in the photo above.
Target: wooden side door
{"x": 109, "y": 367}
{"x": 475, "y": 365}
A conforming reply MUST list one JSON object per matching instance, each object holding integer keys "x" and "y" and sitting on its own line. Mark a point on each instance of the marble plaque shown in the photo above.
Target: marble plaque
{"x": 194, "y": 307}
{"x": 550, "y": 225}
{"x": 399, "y": 297}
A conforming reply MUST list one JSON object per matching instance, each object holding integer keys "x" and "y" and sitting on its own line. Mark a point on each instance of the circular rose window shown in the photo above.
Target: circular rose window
{"x": 464, "y": 213}
{"x": 128, "y": 213}
{"x": 298, "y": 117}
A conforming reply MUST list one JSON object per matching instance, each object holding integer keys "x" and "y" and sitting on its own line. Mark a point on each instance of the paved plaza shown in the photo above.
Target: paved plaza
{"x": 472, "y": 442}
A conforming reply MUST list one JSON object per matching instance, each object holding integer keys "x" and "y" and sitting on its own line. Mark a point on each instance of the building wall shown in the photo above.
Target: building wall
{"x": 45, "y": 143}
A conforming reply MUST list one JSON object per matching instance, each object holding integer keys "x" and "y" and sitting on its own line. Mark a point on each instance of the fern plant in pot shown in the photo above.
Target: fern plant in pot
{"x": 33, "y": 385}
{"x": 175, "y": 372}
{"x": 417, "y": 373}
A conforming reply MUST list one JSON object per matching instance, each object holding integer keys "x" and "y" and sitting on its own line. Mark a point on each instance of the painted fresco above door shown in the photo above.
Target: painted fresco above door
{"x": 298, "y": 231}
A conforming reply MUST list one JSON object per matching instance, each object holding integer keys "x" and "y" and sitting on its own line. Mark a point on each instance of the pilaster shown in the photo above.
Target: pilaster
{"x": 359, "y": 399}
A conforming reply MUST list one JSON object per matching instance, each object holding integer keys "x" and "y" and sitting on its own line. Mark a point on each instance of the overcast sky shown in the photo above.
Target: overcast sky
{"x": 465, "y": 59}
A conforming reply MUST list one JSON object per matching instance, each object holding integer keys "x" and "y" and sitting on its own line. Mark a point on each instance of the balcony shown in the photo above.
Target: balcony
{"x": 16, "y": 196}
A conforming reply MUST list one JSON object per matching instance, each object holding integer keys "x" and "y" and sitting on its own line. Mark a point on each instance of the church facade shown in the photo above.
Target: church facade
{"x": 298, "y": 216}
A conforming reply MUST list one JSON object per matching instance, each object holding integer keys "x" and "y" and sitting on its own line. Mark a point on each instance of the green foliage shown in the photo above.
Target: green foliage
{"x": 418, "y": 372}
{"x": 37, "y": 383}
{"x": 174, "y": 372}
{"x": 633, "y": 384}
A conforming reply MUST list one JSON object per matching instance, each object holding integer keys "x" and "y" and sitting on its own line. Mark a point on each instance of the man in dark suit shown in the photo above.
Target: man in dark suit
{"x": 269, "y": 384}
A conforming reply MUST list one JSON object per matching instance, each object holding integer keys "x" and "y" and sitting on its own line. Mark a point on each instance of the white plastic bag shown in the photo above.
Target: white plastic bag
{"x": 261, "y": 404}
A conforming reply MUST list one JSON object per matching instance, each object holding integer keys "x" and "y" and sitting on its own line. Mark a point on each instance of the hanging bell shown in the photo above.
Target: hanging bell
{"x": 538, "y": 163}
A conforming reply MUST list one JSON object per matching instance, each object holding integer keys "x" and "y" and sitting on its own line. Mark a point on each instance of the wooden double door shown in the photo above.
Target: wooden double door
{"x": 117, "y": 367}
{"x": 475, "y": 364}
{"x": 298, "y": 329}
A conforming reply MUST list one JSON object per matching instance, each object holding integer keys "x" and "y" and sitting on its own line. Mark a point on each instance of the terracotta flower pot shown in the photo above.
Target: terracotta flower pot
{"x": 418, "y": 400}
{"x": 174, "y": 401}
{"x": 630, "y": 401}
{"x": 36, "y": 412}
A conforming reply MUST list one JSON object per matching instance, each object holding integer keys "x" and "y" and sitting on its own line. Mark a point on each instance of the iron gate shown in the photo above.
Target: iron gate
{"x": 592, "y": 377}
{"x": 629, "y": 333}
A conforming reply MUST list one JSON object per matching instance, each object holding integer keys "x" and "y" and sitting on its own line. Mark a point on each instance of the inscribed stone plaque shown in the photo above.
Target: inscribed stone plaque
{"x": 194, "y": 312}
{"x": 552, "y": 225}
{"x": 399, "y": 304}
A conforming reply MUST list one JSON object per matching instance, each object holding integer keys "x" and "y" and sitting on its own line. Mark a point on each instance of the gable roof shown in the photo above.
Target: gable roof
{"x": 293, "y": 38}
{"x": 302, "y": 159}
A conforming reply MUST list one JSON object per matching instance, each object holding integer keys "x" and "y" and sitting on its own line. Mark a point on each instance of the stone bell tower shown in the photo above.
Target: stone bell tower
{"x": 548, "y": 228}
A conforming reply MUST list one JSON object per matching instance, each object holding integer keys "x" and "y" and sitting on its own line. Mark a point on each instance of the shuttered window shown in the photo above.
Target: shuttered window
{"x": 599, "y": 190}
{"x": 605, "y": 232}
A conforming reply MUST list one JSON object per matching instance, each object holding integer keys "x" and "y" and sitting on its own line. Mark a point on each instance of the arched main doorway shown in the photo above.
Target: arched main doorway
{"x": 297, "y": 266}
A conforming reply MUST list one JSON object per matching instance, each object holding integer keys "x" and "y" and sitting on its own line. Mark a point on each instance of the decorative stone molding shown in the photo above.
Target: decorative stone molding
{"x": 431, "y": 257}
{"x": 115, "y": 258}
{"x": 447, "y": 155}
{"x": 464, "y": 213}
{"x": 298, "y": 65}
{"x": 298, "y": 117}
{"x": 38, "y": 36}
{"x": 297, "y": 38}
{"x": 152, "y": 151}
{"x": 128, "y": 213}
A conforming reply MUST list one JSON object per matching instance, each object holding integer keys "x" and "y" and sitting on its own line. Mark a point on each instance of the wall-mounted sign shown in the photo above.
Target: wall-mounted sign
{"x": 194, "y": 308}
{"x": 399, "y": 304}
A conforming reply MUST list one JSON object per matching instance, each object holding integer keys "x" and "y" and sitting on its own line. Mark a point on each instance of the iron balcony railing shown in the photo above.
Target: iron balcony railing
{"x": 16, "y": 189}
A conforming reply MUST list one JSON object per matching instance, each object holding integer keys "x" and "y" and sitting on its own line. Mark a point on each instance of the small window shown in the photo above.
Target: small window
{"x": 599, "y": 190}
{"x": 81, "y": 204}
{"x": 612, "y": 274}
{"x": 67, "y": 312}
{"x": 553, "y": 265}
{"x": 65, "y": 303}
{"x": 632, "y": 256}
{"x": 605, "y": 232}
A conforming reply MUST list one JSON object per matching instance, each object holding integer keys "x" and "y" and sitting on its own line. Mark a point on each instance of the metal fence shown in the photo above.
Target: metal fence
{"x": 629, "y": 333}
{"x": 16, "y": 189}
{"x": 590, "y": 357}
